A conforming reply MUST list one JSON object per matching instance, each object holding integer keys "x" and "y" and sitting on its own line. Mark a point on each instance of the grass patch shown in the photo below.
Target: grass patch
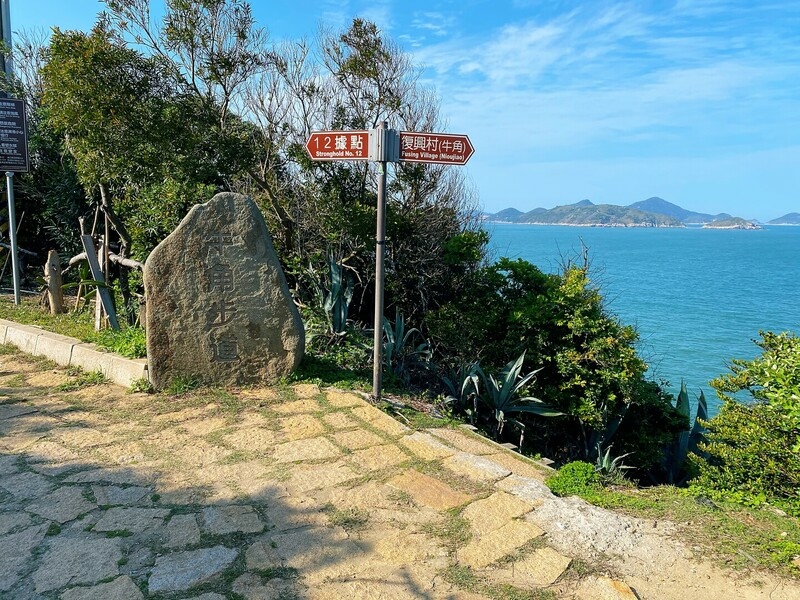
{"x": 453, "y": 532}
{"x": 732, "y": 535}
{"x": 464, "y": 578}
{"x": 15, "y": 381}
{"x": 118, "y": 533}
{"x": 82, "y": 380}
{"x": 127, "y": 341}
{"x": 182, "y": 385}
{"x": 53, "y": 529}
{"x": 349, "y": 519}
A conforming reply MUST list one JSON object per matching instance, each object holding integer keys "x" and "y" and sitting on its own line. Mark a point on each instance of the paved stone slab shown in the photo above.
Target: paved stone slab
{"x": 9, "y": 464}
{"x": 230, "y": 519}
{"x": 465, "y": 442}
{"x": 262, "y": 555}
{"x": 356, "y": 440}
{"x": 202, "y": 427}
{"x": 305, "y": 390}
{"x": 340, "y": 420}
{"x": 27, "y": 485}
{"x": 380, "y": 420}
{"x": 77, "y": 561}
{"x": 252, "y": 587}
{"x": 121, "y": 476}
{"x": 402, "y": 547}
{"x": 82, "y": 437}
{"x": 9, "y": 411}
{"x": 251, "y": 439}
{"x": 342, "y": 399}
{"x": 428, "y": 491}
{"x": 500, "y": 542}
{"x": 122, "y": 588}
{"x": 62, "y": 505}
{"x": 539, "y": 569}
{"x": 291, "y": 513}
{"x": 384, "y": 503}
{"x": 299, "y": 450}
{"x": 495, "y": 511}
{"x": 15, "y": 552}
{"x": 319, "y": 553}
{"x": 110, "y": 495}
{"x": 476, "y": 468}
{"x": 528, "y": 488}
{"x": 181, "y": 571}
{"x": 295, "y": 407}
{"x": 425, "y": 446}
{"x": 208, "y": 596}
{"x": 20, "y": 441}
{"x": 13, "y": 520}
{"x": 300, "y": 427}
{"x": 604, "y": 588}
{"x": 317, "y": 477}
{"x": 378, "y": 457}
{"x": 49, "y": 451}
{"x": 136, "y": 520}
{"x": 182, "y": 530}
{"x": 519, "y": 466}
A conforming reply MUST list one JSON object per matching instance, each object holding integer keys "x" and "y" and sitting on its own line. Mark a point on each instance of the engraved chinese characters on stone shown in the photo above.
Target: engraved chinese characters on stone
{"x": 219, "y": 308}
{"x": 226, "y": 349}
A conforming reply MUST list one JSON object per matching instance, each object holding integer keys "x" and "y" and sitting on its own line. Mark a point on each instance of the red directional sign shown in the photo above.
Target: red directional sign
{"x": 338, "y": 145}
{"x": 442, "y": 148}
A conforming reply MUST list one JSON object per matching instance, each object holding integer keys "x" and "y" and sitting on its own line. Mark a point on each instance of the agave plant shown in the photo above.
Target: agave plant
{"x": 688, "y": 439}
{"x": 398, "y": 346}
{"x": 338, "y": 297}
{"x": 462, "y": 385}
{"x": 501, "y": 395}
{"x": 610, "y": 468}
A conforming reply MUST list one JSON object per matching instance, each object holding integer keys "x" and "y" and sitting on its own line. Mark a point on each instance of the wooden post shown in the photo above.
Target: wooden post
{"x": 52, "y": 275}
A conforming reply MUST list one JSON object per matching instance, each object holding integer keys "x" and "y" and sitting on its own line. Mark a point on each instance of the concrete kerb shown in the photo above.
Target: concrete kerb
{"x": 67, "y": 351}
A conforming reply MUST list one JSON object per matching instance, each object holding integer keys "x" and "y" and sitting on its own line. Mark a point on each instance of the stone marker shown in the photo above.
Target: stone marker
{"x": 218, "y": 307}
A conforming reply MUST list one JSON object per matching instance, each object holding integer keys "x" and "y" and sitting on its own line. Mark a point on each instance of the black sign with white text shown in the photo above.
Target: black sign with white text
{"x": 13, "y": 136}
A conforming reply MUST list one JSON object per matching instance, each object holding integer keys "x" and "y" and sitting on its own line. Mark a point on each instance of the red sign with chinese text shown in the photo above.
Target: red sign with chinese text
{"x": 442, "y": 148}
{"x": 338, "y": 145}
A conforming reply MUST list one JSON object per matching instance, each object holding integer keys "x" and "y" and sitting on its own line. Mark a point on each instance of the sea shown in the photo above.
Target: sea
{"x": 697, "y": 297}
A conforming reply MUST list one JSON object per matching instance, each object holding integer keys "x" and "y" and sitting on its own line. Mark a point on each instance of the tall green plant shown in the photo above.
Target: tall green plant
{"x": 686, "y": 440}
{"x": 338, "y": 297}
{"x": 399, "y": 351}
{"x": 502, "y": 395}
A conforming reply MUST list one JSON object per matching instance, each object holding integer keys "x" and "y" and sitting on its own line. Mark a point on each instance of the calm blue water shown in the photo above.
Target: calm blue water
{"x": 698, "y": 297}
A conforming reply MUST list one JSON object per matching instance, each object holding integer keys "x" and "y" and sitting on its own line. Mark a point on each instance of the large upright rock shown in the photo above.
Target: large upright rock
{"x": 218, "y": 307}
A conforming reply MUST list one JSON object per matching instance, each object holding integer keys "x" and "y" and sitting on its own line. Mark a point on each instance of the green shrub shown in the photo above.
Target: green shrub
{"x": 573, "y": 479}
{"x": 130, "y": 342}
{"x": 752, "y": 448}
{"x": 590, "y": 370}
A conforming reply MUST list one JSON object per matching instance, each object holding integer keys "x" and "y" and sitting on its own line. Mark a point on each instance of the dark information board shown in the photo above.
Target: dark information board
{"x": 13, "y": 136}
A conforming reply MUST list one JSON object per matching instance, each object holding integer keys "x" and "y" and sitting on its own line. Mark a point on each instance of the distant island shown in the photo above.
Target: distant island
{"x": 733, "y": 223}
{"x": 790, "y": 219}
{"x": 653, "y": 212}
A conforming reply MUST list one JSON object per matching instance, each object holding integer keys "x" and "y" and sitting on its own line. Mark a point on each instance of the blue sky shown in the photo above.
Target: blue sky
{"x": 695, "y": 101}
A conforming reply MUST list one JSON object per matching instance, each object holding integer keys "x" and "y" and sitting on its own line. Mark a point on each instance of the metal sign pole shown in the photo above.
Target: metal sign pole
{"x": 380, "y": 239}
{"x": 12, "y": 233}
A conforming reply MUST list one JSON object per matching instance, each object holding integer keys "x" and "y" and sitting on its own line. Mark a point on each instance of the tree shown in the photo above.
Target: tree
{"x": 753, "y": 445}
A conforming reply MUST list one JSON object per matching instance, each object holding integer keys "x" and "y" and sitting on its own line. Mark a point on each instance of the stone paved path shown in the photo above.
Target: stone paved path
{"x": 259, "y": 494}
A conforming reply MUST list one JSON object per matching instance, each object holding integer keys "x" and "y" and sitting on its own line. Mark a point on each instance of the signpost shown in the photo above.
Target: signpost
{"x": 338, "y": 145}
{"x": 383, "y": 146}
{"x": 13, "y": 158}
{"x": 441, "y": 148}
